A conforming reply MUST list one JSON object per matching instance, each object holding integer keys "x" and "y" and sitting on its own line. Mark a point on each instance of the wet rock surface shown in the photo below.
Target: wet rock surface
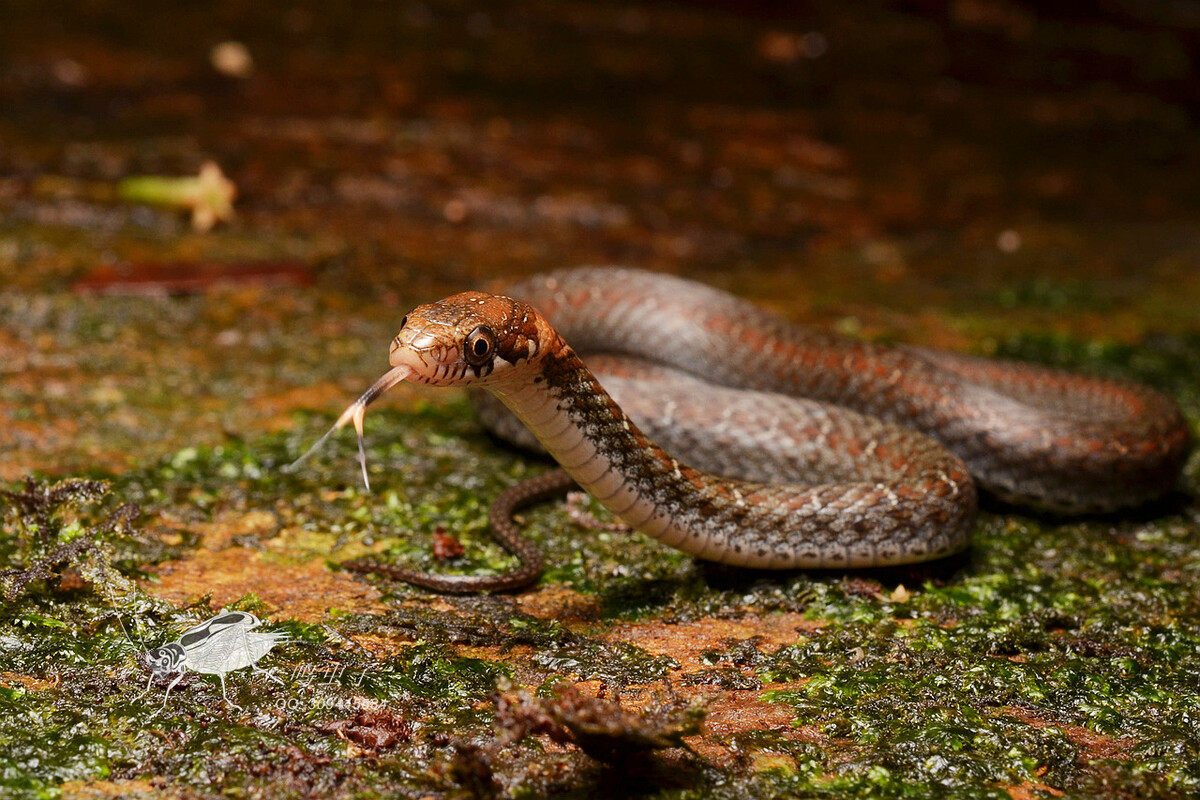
{"x": 1004, "y": 178}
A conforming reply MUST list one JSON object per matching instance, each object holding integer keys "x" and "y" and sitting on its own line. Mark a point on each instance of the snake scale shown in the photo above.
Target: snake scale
{"x": 739, "y": 437}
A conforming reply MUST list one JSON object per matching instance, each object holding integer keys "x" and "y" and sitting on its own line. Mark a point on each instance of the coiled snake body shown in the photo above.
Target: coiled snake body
{"x": 749, "y": 472}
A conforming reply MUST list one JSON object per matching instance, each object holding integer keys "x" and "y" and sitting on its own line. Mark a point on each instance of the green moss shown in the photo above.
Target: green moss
{"x": 1058, "y": 653}
{"x": 1054, "y": 294}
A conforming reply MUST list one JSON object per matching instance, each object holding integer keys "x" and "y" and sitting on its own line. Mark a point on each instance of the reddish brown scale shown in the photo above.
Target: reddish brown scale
{"x": 776, "y": 481}
{"x": 1035, "y": 436}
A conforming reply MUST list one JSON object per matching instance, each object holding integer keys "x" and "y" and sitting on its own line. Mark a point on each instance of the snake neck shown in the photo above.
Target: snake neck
{"x": 589, "y": 435}
{"x": 580, "y": 424}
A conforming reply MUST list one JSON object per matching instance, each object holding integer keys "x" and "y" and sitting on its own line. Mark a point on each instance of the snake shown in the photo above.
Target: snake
{"x": 739, "y": 437}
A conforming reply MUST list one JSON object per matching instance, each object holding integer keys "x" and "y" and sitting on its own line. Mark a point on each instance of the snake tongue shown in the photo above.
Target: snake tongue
{"x": 355, "y": 413}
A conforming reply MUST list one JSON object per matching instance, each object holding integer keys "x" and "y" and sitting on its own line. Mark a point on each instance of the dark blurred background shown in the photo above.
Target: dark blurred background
{"x": 701, "y": 135}
{"x": 939, "y": 172}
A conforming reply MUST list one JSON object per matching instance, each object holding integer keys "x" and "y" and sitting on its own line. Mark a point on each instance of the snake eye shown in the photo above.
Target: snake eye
{"x": 480, "y": 346}
{"x": 404, "y": 320}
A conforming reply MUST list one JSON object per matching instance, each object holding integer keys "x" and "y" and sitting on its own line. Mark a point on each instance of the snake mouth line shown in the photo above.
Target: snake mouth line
{"x": 355, "y": 412}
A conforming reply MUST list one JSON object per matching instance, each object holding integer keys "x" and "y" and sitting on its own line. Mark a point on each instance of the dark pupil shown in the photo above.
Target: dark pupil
{"x": 480, "y": 347}
{"x": 404, "y": 321}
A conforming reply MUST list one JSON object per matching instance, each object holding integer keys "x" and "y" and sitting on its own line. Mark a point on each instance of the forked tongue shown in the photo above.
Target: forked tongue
{"x": 355, "y": 412}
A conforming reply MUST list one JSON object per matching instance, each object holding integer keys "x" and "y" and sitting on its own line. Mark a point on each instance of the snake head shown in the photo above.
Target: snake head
{"x": 468, "y": 339}
{"x": 471, "y": 338}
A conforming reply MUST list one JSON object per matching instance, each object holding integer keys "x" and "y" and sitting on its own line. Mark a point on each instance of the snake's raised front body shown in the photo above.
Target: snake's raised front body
{"x": 751, "y": 475}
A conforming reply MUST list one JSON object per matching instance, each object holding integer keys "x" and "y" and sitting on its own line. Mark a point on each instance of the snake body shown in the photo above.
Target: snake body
{"x": 737, "y": 466}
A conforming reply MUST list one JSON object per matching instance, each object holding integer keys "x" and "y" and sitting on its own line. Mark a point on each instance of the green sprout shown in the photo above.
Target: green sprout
{"x": 209, "y": 195}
